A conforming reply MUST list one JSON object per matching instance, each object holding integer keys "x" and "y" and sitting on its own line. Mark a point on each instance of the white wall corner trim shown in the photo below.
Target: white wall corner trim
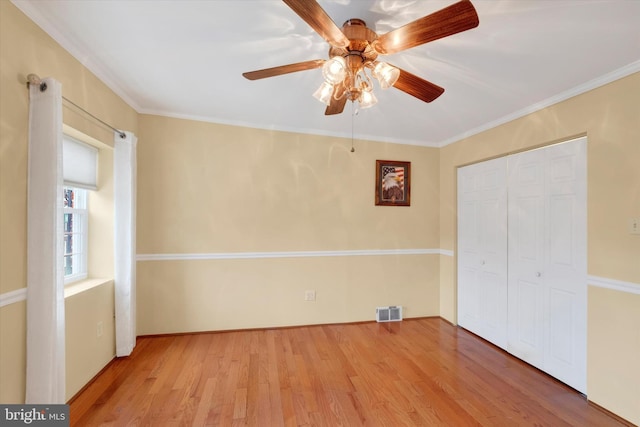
{"x": 13, "y": 296}
{"x": 616, "y": 285}
{"x": 288, "y": 254}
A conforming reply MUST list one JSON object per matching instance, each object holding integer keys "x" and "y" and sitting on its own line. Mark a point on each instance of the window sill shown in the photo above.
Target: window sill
{"x": 84, "y": 285}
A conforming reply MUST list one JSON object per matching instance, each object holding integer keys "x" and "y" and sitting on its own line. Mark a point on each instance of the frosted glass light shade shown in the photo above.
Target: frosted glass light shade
{"x": 367, "y": 99}
{"x": 324, "y": 93}
{"x": 334, "y": 70}
{"x": 386, "y": 74}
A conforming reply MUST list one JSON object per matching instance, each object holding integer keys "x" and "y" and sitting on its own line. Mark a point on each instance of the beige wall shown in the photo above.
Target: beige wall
{"x": 24, "y": 49}
{"x": 206, "y": 188}
{"x": 179, "y": 296}
{"x": 613, "y": 349}
{"x": 13, "y": 342}
{"x": 209, "y": 188}
{"x": 87, "y": 351}
{"x": 610, "y": 118}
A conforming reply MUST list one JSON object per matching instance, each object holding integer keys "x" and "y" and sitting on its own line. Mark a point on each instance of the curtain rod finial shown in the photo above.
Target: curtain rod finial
{"x": 33, "y": 79}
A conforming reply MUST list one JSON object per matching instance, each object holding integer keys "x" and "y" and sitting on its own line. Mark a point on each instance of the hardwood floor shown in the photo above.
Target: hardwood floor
{"x": 415, "y": 372}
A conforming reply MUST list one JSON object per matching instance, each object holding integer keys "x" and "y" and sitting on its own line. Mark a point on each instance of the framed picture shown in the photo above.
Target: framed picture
{"x": 393, "y": 183}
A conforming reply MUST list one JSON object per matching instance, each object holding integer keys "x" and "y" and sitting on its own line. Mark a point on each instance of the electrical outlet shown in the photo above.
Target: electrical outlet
{"x": 309, "y": 295}
{"x": 634, "y": 226}
{"x": 99, "y": 329}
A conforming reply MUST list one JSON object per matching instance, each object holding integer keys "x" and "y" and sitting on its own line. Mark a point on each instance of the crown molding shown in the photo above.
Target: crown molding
{"x": 618, "y": 74}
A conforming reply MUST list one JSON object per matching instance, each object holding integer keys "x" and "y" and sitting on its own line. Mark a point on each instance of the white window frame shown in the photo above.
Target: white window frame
{"x": 80, "y": 235}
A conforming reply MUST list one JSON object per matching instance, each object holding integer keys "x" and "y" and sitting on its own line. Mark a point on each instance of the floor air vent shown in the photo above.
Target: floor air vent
{"x": 389, "y": 314}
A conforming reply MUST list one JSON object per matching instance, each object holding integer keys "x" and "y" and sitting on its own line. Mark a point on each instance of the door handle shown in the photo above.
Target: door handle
{"x": 538, "y": 274}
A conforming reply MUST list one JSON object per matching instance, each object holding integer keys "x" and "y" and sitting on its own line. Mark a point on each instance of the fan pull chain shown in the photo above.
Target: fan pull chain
{"x": 353, "y": 113}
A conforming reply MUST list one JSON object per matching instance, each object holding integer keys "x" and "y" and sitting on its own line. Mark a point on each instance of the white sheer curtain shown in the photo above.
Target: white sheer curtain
{"x": 124, "y": 175}
{"x": 45, "y": 277}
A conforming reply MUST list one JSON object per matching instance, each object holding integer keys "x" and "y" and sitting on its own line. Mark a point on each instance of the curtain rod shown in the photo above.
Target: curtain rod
{"x": 33, "y": 79}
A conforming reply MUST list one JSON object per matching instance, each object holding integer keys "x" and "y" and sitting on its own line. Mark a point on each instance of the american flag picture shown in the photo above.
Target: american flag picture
{"x": 399, "y": 171}
{"x": 392, "y": 188}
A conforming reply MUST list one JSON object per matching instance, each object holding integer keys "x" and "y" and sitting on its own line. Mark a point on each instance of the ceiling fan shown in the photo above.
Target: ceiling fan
{"x": 354, "y": 50}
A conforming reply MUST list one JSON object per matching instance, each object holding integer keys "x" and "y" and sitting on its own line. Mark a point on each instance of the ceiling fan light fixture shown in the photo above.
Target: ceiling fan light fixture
{"x": 334, "y": 70}
{"x": 386, "y": 74}
{"x": 354, "y": 48}
{"x": 324, "y": 93}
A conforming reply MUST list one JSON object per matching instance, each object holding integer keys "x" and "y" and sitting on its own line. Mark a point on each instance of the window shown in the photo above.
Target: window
{"x": 75, "y": 234}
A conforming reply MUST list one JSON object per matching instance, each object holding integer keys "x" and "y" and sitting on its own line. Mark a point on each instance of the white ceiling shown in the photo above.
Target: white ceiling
{"x": 186, "y": 58}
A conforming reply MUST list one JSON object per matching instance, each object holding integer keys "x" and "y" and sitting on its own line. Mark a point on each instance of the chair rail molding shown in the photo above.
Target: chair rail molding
{"x": 285, "y": 254}
{"x": 616, "y": 285}
{"x": 13, "y": 296}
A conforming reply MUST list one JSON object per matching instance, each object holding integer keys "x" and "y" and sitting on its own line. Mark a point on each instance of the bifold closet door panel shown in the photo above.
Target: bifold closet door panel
{"x": 566, "y": 263}
{"x": 547, "y": 270}
{"x": 527, "y": 223}
{"x": 482, "y": 250}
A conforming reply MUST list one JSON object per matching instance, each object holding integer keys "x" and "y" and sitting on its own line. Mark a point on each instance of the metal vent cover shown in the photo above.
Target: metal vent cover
{"x": 391, "y": 313}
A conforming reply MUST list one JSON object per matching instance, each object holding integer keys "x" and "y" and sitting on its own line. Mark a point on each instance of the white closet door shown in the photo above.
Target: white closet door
{"x": 526, "y": 256}
{"x": 547, "y": 260}
{"x": 482, "y": 250}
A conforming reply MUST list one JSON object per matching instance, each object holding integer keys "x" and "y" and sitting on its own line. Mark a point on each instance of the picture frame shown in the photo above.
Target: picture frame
{"x": 393, "y": 183}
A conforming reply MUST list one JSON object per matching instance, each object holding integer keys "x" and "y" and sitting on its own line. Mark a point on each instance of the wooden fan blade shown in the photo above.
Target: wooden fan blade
{"x": 453, "y": 19}
{"x": 418, "y": 87}
{"x": 337, "y": 105}
{"x": 283, "y": 69}
{"x": 314, "y": 15}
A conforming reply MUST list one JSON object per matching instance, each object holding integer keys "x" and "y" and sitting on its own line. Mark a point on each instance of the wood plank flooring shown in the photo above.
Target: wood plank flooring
{"x": 418, "y": 372}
